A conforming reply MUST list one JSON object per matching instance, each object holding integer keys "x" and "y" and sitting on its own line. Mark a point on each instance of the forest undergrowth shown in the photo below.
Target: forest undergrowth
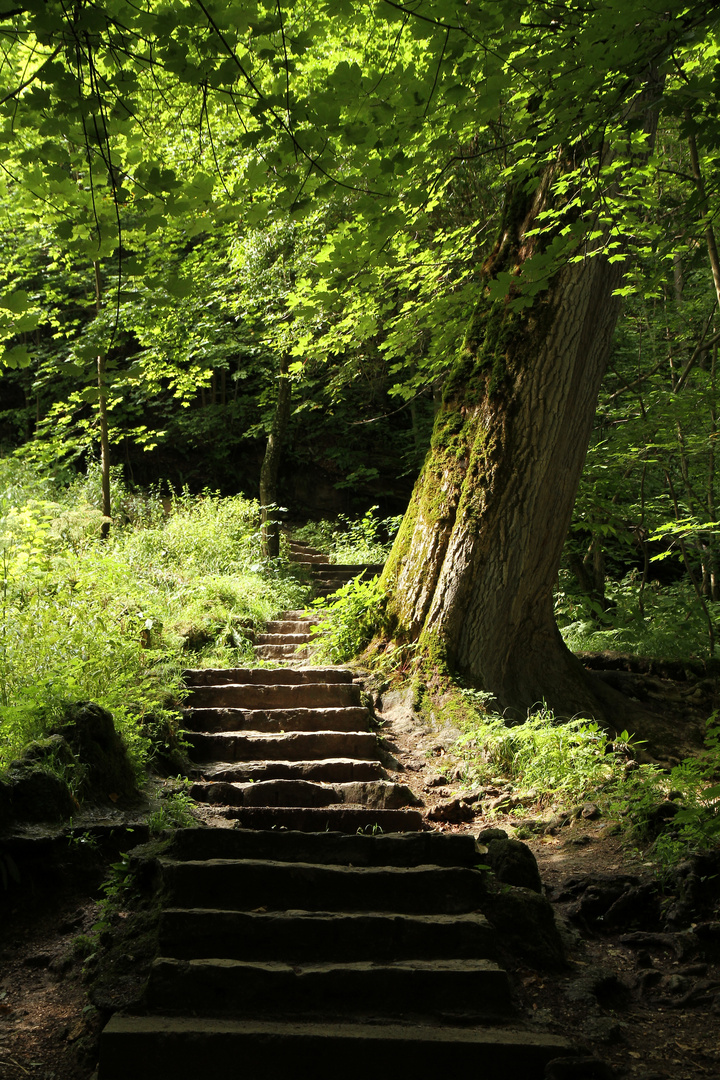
{"x": 180, "y": 582}
{"x": 548, "y": 765}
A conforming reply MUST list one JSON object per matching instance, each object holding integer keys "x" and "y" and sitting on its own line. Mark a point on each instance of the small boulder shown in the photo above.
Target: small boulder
{"x": 34, "y": 794}
{"x": 526, "y": 922}
{"x": 453, "y": 811}
{"x": 513, "y": 863}
{"x": 90, "y": 733}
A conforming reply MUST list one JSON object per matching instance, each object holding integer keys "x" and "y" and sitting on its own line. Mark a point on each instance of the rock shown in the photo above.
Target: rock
{"x": 90, "y": 732}
{"x": 556, "y": 822}
{"x": 35, "y": 794}
{"x": 590, "y": 812}
{"x": 513, "y": 863}
{"x": 503, "y": 802}
{"x": 50, "y": 751}
{"x": 453, "y": 811}
{"x": 437, "y": 780}
{"x": 527, "y": 921}
{"x": 577, "y": 1068}
{"x": 487, "y": 835}
{"x": 61, "y": 964}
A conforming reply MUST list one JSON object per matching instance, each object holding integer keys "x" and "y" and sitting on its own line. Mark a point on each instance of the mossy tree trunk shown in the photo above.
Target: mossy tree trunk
{"x": 270, "y": 468}
{"x": 472, "y": 571}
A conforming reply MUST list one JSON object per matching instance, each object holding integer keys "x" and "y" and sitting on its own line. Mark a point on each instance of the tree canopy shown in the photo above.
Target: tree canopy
{"x": 382, "y": 203}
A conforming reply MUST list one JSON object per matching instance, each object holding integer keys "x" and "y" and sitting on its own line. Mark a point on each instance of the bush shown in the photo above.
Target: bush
{"x": 349, "y": 619}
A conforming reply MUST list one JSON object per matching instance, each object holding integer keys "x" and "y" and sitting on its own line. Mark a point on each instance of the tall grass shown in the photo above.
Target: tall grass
{"x": 180, "y": 583}
{"x": 564, "y": 763}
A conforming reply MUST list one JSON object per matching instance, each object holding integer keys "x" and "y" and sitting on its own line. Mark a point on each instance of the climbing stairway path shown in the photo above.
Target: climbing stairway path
{"x": 323, "y": 928}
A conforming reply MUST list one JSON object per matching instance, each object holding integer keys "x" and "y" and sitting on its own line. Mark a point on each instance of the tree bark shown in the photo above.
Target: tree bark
{"x": 271, "y": 465}
{"x": 472, "y": 571}
{"x": 103, "y": 419}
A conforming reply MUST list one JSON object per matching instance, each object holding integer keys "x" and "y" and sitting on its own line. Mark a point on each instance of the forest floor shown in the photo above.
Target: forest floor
{"x": 643, "y": 997}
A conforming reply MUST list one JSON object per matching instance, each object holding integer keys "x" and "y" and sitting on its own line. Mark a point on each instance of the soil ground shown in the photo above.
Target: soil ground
{"x": 651, "y": 1012}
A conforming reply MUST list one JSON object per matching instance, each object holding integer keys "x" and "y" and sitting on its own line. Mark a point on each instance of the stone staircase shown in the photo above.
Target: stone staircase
{"x": 292, "y": 748}
{"x": 323, "y": 929}
{"x": 327, "y": 577}
{"x": 311, "y": 953}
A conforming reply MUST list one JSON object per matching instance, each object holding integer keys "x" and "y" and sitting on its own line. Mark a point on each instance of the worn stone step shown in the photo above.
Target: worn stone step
{"x": 347, "y": 571}
{"x": 328, "y": 770}
{"x": 290, "y": 746}
{"x": 333, "y": 573}
{"x": 353, "y": 718}
{"x": 477, "y": 988}
{"x": 304, "y": 556}
{"x": 319, "y": 695}
{"x": 246, "y": 885}
{"x": 296, "y": 936}
{"x": 290, "y": 626}
{"x": 265, "y": 676}
{"x": 384, "y": 849}
{"x": 382, "y": 794}
{"x": 281, "y": 652}
{"x": 283, "y": 639}
{"x": 151, "y": 1047}
{"x": 325, "y": 819}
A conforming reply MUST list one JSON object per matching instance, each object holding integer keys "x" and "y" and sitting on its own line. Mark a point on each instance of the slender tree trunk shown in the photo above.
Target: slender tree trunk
{"x": 103, "y": 418}
{"x": 271, "y": 465}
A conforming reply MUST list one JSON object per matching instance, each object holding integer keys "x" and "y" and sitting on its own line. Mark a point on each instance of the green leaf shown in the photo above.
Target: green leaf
{"x": 15, "y": 301}
{"x": 17, "y": 357}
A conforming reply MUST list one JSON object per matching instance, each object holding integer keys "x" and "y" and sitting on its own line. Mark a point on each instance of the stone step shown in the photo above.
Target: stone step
{"x": 265, "y": 676}
{"x": 300, "y": 936}
{"x": 348, "y": 819}
{"x": 381, "y": 794}
{"x": 471, "y": 988}
{"x": 319, "y": 695}
{"x": 249, "y": 885}
{"x": 384, "y": 849}
{"x": 282, "y": 639}
{"x": 290, "y": 626}
{"x": 281, "y": 652}
{"x": 181, "y": 1047}
{"x": 302, "y": 556}
{"x": 354, "y": 718}
{"x": 327, "y": 770}
{"x": 290, "y": 746}
{"x": 348, "y": 570}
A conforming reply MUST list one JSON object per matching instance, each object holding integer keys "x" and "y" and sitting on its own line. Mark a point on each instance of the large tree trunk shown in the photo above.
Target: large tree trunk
{"x": 271, "y": 465}
{"x": 472, "y": 571}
